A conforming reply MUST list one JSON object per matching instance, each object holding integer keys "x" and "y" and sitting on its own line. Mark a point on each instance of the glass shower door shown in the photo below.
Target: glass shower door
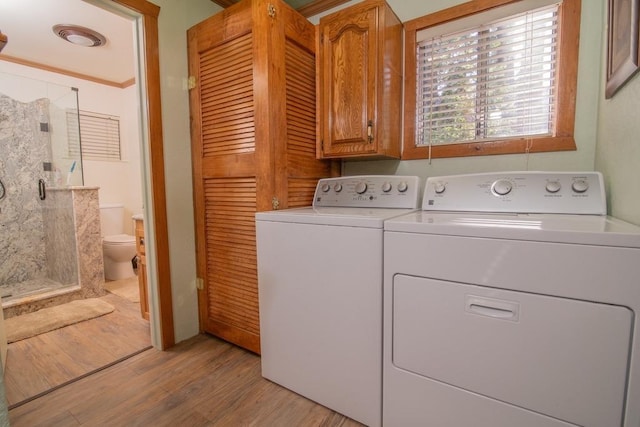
{"x": 37, "y": 159}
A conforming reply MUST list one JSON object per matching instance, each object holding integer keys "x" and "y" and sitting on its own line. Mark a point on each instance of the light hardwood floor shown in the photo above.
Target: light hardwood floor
{"x": 48, "y": 360}
{"x": 203, "y": 381}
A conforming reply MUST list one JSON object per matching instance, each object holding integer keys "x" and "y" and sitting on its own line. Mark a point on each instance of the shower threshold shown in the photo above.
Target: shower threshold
{"x": 33, "y": 290}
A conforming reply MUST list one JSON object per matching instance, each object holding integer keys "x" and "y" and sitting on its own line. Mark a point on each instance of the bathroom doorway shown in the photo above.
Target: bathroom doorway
{"x": 66, "y": 137}
{"x": 145, "y": 14}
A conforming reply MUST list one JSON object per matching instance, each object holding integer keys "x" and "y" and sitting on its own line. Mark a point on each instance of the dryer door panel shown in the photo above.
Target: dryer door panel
{"x": 560, "y": 357}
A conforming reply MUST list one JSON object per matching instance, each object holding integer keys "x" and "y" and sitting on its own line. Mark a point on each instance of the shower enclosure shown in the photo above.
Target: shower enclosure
{"x": 39, "y": 154}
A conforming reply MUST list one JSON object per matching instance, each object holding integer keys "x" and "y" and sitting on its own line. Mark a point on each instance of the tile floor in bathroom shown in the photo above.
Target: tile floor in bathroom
{"x": 42, "y": 363}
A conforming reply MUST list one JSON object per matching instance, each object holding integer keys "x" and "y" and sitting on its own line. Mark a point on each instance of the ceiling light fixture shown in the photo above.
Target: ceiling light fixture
{"x": 79, "y": 35}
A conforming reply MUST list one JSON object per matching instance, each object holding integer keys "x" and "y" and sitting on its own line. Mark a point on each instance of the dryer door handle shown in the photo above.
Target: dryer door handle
{"x": 495, "y": 308}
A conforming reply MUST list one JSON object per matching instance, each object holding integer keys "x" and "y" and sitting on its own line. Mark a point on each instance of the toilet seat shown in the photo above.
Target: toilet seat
{"x": 119, "y": 239}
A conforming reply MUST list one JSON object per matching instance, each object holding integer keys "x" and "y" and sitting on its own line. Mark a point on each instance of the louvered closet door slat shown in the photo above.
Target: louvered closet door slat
{"x": 301, "y": 100}
{"x": 303, "y": 169}
{"x": 231, "y": 255}
{"x": 226, "y": 94}
{"x": 301, "y": 191}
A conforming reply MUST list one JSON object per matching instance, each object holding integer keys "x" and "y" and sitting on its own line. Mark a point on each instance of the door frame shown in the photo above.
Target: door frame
{"x": 150, "y": 66}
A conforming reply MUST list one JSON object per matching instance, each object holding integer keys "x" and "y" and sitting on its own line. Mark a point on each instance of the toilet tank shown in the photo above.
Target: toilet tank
{"x": 111, "y": 219}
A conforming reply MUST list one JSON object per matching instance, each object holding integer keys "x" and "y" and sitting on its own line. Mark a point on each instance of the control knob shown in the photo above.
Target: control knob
{"x": 553, "y": 186}
{"x": 402, "y": 186}
{"x": 502, "y": 187}
{"x": 361, "y": 187}
{"x": 580, "y": 186}
{"x": 439, "y": 187}
{"x": 325, "y": 187}
{"x": 386, "y": 187}
{"x": 337, "y": 188}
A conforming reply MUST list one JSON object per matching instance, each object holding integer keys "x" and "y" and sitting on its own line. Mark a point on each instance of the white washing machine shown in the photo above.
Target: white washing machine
{"x": 511, "y": 300}
{"x": 320, "y": 290}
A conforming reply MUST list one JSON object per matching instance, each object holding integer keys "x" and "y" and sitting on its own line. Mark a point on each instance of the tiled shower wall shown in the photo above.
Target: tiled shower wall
{"x": 23, "y": 149}
{"x": 41, "y": 240}
{"x": 60, "y": 237}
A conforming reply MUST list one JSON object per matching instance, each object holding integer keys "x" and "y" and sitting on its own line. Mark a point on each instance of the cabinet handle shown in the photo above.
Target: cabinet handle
{"x": 370, "y": 131}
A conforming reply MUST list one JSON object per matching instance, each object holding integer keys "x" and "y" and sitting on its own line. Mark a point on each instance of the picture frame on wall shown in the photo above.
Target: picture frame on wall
{"x": 623, "y": 43}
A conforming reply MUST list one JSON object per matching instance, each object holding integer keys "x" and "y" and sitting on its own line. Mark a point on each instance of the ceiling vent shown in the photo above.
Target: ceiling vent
{"x": 79, "y": 35}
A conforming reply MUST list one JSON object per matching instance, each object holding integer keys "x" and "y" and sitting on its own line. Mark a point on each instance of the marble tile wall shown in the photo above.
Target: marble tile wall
{"x": 60, "y": 237}
{"x": 53, "y": 244}
{"x": 23, "y": 149}
{"x": 80, "y": 256}
{"x": 86, "y": 210}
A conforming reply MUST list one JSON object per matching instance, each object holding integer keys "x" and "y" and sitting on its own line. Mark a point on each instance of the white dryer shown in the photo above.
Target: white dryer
{"x": 512, "y": 300}
{"x": 320, "y": 290}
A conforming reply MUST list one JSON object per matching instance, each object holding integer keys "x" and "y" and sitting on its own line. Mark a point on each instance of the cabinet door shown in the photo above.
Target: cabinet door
{"x": 226, "y": 157}
{"x": 347, "y": 86}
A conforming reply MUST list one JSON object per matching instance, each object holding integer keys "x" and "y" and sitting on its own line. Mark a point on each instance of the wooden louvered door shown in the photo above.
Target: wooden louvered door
{"x": 253, "y": 146}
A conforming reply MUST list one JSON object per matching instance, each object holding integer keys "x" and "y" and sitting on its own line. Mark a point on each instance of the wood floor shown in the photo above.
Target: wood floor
{"x": 200, "y": 382}
{"x": 48, "y": 360}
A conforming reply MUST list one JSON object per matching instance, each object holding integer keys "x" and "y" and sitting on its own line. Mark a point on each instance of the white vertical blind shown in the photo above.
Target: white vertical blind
{"x": 99, "y": 136}
{"x": 493, "y": 81}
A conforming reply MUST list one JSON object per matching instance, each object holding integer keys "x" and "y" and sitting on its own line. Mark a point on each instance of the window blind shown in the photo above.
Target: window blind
{"x": 493, "y": 81}
{"x": 99, "y": 137}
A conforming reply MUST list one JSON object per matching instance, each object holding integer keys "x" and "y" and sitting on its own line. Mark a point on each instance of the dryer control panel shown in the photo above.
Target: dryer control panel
{"x": 368, "y": 191}
{"x": 518, "y": 192}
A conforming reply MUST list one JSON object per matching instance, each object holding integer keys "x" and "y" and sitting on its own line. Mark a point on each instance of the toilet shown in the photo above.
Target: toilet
{"x": 118, "y": 249}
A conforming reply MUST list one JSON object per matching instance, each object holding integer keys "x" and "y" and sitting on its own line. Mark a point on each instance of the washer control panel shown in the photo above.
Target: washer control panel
{"x": 368, "y": 191}
{"x": 518, "y": 192}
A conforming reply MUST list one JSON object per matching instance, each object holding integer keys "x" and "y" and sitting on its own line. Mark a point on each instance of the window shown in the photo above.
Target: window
{"x": 491, "y": 80}
{"x": 99, "y": 136}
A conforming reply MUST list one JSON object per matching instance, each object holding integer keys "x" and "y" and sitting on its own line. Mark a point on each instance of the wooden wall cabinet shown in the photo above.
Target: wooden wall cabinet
{"x": 142, "y": 268}
{"x": 359, "y": 82}
{"x": 253, "y": 141}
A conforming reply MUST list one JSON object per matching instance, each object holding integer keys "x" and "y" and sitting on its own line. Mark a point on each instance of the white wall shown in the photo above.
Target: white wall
{"x": 176, "y": 16}
{"x": 586, "y": 112}
{"x": 119, "y": 182}
{"x": 618, "y": 149}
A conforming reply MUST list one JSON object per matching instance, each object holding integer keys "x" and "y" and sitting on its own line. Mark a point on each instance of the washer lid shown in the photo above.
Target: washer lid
{"x": 579, "y": 229}
{"x": 348, "y": 217}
